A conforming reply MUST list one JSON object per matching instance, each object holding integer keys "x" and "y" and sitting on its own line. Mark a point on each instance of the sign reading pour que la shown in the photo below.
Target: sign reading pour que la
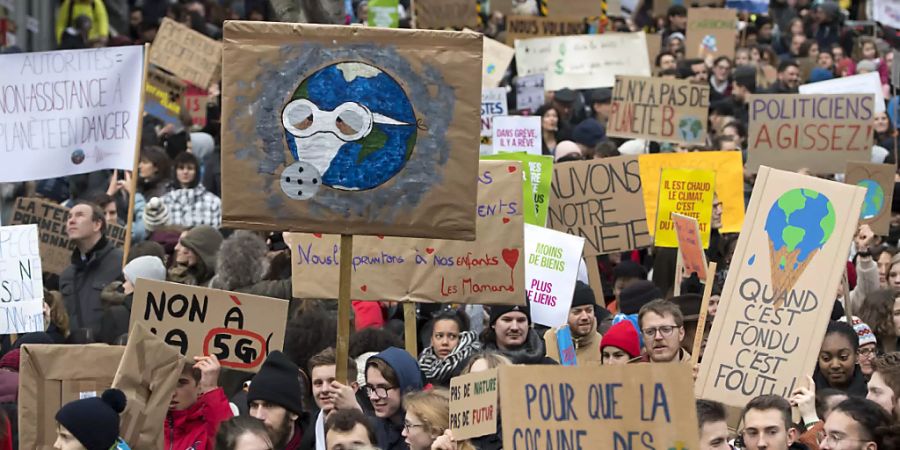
{"x": 350, "y": 130}
{"x": 659, "y": 110}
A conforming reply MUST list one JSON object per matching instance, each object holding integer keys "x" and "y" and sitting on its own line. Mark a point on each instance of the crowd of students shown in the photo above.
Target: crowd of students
{"x": 392, "y": 400}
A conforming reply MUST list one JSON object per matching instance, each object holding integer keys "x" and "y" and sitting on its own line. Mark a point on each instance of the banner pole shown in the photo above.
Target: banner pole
{"x": 137, "y": 155}
{"x": 410, "y": 334}
{"x": 596, "y": 282}
{"x": 704, "y": 309}
{"x": 343, "y": 328}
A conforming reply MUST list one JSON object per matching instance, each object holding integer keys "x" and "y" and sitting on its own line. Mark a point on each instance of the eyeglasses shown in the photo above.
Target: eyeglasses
{"x": 867, "y": 352}
{"x": 378, "y": 391}
{"x": 834, "y": 440}
{"x": 665, "y": 330}
{"x": 408, "y": 425}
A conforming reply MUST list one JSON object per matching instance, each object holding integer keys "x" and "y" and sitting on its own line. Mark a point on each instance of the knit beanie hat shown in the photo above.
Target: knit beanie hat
{"x": 622, "y": 335}
{"x": 866, "y": 65}
{"x": 10, "y": 360}
{"x": 630, "y": 269}
{"x": 583, "y": 295}
{"x": 864, "y": 331}
{"x": 149, "y": 267}
{"x": 94, "y": 421}
{"x": 636, "y": 295}
{"x": 278, "y": 382}
{"x": 156, "y": 215}
{"x": 565, "y": 148}
{"x": 589, "y": 133}
{"x": 820, "y": 74}
{"x": 499, "y": 310}
{"x": 205, "y": 241}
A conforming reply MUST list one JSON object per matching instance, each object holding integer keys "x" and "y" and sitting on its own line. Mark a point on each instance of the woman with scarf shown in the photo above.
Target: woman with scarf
{"x": 451, "y": 346}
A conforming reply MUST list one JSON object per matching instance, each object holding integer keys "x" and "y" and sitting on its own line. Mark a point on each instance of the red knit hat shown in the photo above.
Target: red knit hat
{"x": 622, "y": 335}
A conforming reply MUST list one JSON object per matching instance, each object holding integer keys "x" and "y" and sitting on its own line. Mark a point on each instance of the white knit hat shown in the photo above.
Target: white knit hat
{"x": 156, "y": 214}
{"x": 148, "y": 267}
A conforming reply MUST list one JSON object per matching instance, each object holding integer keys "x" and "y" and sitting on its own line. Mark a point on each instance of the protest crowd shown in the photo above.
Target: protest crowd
{"x": 702, "y": 249}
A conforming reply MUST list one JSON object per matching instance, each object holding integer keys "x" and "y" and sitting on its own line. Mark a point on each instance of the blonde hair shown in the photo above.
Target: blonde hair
{"x": 493, "y": 359}
{"x": 432, "y": 407}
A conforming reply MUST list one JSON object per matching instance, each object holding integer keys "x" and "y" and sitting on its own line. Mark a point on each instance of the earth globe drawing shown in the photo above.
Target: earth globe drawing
{"x": 690, "y": 128}
{"x": 349, "y": 126}
{"x": 874, "y": 199}
{"x": 798, "y": 225}
{"x": 78, "y": 156}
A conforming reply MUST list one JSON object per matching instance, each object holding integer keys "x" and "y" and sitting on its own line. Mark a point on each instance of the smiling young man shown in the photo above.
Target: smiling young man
{"x": 662, "y": 325}
{"x": 329, "y": 394}
{"x": 197, "y": 407}
{"x": 583, "y": 324}
{"x": 389, "y": 375}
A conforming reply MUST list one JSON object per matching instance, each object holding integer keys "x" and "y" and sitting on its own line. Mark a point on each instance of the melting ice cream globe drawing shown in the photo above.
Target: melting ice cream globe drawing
{"x": 799, "y": 224}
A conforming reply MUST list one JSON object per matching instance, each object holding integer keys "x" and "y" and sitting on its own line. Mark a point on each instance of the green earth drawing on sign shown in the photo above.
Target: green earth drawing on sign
{"x": 690, "y": 128}
{"x": 799, "y": 224}
{"x": 874, "y": 200}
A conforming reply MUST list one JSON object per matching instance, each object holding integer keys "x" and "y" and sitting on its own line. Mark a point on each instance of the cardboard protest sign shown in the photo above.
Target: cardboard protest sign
{"x": 693, "y": 258}
{"x": 489, "y": 270}
{"x": 196, "y": 100}
{"x": 878, "y": 180}
{"x": 21, "y": 280}
{"x": 239, "y": 329}
{"x": 601, "y": 201}
{"x": 781, "y": 287}
{"x": 821, "y": 133}
{"x": 530, "y": 92}
{"x": 659, "y": 109}
{"x": 164, "y": 94}
{"x": 524, "y": 27}
{"x": 710, "y": 32}
{"x": 567, "y": 356}
{"x": 618, "y": 407}
{"x": 473, "y": 404}
{"x": 69, "y": 112}
{"x": 383, "y": 13}
{"x": 147, "y": 374}
{"x": 654, "y": 48}
{"x": 583, "y": 62}
{"x": 551, "y": 268}
{"x": 56, "y": 249}
{"x": 729, "y": 181}
{"x": 445, "y": 13}
{"x": 538, "y": 171}
{"x": 585, "y": 8}
{"x": 51, "y": 376}
{"x": 400, "y": 162}
{"x": 517, "y": 134}
{"x": 186, "y": 53}
{"x": 688, "y": 192}
{"x": 496, "y": 60}
{"x": 868, "y": 83}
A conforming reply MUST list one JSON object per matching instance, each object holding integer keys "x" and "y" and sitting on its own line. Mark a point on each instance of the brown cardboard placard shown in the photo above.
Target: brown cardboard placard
{"x": 584, "y": 8}
{"x": 473, "y": 404}
{"x": 56, "y": 249}
{"x": 490, "y": 270}
{"x": 445, "y": 14}
{"x": 693, "y": 258}
{"x": 878, "y": 179}
{"x": 660, "y": 8}
{"x": 711, "y": 32}
{"x": 164, "y": 94}
{"x": 240, "y": 329}
{"x": 583, "y": 407}
{"x": 147, "y": 374}
{"x": 821, "y": 133}
{"x": 497, "y": 58}
{"x": 780, "y": 287}
{"x": 600, "y": 200}
{"x": 188, "y": 54}
{"x": 410, "y": 160}
{"x": 654, "y": 48}
{"x": 659, "y": 110}
{"x": 51, "y": 376}
{"x": 524, "y": 27}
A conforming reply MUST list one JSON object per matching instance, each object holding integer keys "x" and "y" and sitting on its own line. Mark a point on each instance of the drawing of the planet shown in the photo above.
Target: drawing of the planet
{"x": 874, "y": 200}
{"x": 78, "y": 156}
{"x": 349, "y": 126}
{"x": 690, "y": 128}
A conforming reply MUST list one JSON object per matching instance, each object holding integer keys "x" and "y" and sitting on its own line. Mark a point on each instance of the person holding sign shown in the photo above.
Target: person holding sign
{"x": 198, "y": 406}
{"x": 583, "y": 325}
{"x": 662, "y": 324}
{"x": 329, "y": 394}
{"x": 511, "y": 335}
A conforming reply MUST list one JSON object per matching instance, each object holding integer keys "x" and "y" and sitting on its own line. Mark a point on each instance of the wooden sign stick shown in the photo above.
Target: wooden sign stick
{"x": 704, "y": 308}
{"x": 845, "y": 291}
{"x": 594, "y": 277}
{"x": 679, "y": 274}
{"x": 137, "y": 159}
{"x": 410, "y": 334}
{"x": 343, "y": 326}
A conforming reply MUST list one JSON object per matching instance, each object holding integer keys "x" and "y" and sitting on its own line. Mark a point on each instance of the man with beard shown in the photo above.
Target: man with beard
{"x": 274, "y": 398}
{"x": 788, "y": 79}
{"x": 662, "y": 325}
{"x": 197, "y": 407}
{"x": 511, "y": 335}
{"x": 583, "y": 324}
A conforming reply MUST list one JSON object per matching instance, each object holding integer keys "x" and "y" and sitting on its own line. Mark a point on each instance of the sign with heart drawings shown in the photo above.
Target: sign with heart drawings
{"x": 490, "y": 270}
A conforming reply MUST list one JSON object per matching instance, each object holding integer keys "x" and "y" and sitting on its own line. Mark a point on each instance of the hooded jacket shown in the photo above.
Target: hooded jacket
{"x": 195, "y": 428}
{"x": 205, "y": 242}
{"x": 82, "y": 282}
{"x": 587, "y": 348}
{"x": 532, "y": 352}
{"x": 409, "y": 378}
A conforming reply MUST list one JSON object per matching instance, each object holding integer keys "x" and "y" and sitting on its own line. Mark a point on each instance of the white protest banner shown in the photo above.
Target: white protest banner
{"x": 493, "y": 103}
{"x": 529, "y": 92}
{"x": 583, "y": 62}
{"x": 517, "y": 134}
{"x": 551, "y": 266}
{"x": 867, "y": 83}
{"x": 21, "y": 283}
{"x": 69, "y": 112}
{"x": 887, "y": 12}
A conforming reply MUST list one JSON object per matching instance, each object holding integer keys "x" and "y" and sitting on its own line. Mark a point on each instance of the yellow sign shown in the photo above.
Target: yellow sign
{"x": 687, "y": 192}
{"x": 729, "y": 182}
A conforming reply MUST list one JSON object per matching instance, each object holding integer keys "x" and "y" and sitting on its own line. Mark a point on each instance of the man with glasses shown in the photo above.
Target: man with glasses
{"x": 662, "y": 325}
{"x": 767, "y": 425}
{"x": 389, "y": 375}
